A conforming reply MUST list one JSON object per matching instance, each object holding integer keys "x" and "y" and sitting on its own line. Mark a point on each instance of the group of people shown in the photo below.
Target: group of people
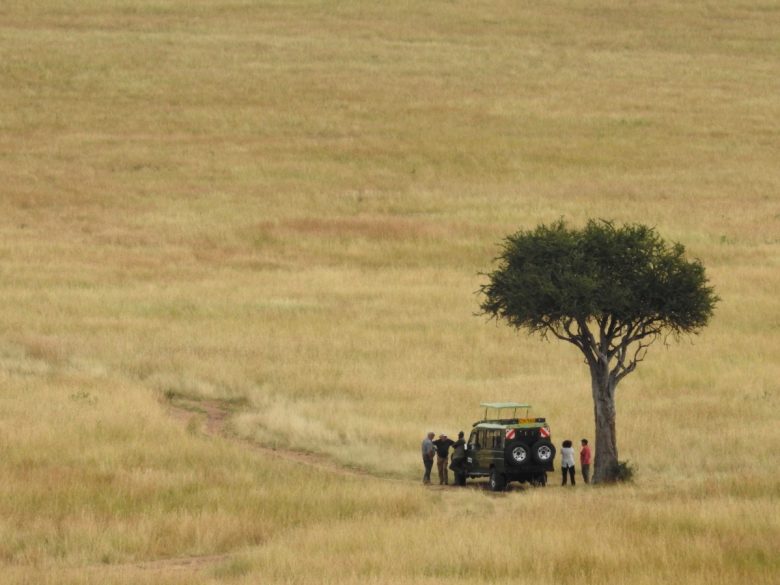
{"x": 440, "y": 450}
{"x": 567, "y": 461}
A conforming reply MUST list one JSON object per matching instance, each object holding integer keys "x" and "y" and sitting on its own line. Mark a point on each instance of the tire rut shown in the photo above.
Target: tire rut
{"x": 216, "y": 415}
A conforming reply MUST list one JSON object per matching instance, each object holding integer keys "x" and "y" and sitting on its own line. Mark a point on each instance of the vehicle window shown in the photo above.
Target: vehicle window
{"x": 473, "y": 439}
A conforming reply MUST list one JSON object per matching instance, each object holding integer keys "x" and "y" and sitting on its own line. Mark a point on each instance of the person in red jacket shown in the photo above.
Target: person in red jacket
{"x": 585, "y": 460}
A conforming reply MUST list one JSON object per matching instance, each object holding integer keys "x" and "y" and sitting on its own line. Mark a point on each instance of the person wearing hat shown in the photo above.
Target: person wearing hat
{"x": 443, "y": 444}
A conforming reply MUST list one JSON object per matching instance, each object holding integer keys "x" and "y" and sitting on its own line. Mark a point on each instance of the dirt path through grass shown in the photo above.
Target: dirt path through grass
{"x": 212, "y": 417}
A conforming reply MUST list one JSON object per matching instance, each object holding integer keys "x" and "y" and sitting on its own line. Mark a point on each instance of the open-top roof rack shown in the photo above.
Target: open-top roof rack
{"x": 505, "y": 405}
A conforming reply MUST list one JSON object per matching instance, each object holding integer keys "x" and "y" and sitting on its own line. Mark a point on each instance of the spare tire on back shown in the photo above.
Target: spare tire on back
{"x": 543, "y": 451}
{"x": 517, "y": 453}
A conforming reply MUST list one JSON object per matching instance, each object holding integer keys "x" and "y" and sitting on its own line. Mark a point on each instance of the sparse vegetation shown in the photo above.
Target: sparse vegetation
{"x": 284, "y": 207}
{"x": 624, "y": 472}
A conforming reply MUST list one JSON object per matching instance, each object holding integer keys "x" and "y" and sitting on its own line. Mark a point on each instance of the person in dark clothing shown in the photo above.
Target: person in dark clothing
{"x": 443, "y": 444}
{"x": 428, "y": 451}
{"x": 458, "y": 463}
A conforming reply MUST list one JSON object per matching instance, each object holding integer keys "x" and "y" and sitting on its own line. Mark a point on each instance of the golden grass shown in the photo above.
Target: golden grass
{"x": 528, "y": 536}
{"x": 285, "y": 206}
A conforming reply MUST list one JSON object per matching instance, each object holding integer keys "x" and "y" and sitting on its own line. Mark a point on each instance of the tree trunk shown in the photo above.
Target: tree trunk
{"x": 606, "y": 460}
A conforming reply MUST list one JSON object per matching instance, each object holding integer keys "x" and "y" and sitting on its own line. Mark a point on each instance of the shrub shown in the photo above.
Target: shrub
{"x": 624, "y": 472}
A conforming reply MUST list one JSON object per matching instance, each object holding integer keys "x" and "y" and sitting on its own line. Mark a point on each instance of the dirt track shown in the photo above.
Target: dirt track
{"x": 212, "y": 417}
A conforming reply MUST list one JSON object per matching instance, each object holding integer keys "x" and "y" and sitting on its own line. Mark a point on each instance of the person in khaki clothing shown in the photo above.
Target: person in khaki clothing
{"x": 443, "y": 445}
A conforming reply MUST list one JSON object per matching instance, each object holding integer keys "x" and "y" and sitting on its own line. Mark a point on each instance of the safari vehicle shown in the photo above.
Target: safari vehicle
{"x": 506, "y": 447}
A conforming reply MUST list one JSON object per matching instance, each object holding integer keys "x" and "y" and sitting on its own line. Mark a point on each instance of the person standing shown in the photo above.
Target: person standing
{"x": 428, "y": 451}
{"x": 459, "y": 460}
{"x": 585, "y": 458}
{"x": 443, "y": 445}
{"x": 567, "y": 461}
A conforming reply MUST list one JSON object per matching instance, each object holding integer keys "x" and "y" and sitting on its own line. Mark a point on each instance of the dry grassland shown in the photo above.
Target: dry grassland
{"x": 284, "y": 206}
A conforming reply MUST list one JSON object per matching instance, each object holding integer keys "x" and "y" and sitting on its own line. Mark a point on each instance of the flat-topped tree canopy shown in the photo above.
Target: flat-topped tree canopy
{"x": 610, "y": 291}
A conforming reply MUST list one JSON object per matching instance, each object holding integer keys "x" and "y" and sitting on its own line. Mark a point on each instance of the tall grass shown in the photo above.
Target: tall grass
{"x": 287, "y": 205}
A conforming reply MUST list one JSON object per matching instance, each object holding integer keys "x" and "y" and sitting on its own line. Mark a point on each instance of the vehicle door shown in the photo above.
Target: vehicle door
{"x": 485, "y": 456}
{"x": 473, "y": 450}
{"x": 493, "y": 450}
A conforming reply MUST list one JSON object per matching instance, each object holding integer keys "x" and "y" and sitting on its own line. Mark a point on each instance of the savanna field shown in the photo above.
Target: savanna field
{"x": 232, "y": 227}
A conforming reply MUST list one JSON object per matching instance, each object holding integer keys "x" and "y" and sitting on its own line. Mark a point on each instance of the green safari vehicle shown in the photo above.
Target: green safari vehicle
{"x": 505, "y": 447}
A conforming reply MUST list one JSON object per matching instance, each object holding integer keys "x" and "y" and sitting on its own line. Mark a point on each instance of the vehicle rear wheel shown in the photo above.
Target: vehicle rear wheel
{"x": 517, "y": 454}
{"x": 497, "y": 481}
{"x": 543, "y": 451}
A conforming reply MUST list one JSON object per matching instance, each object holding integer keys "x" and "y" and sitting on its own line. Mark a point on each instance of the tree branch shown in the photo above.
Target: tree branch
{"x": 636, "y": 334}
{"x": 577, "y": 338}
{"x": 639, "y": 355}
{"x": 611, "y": 330}
{"x": 590, "y": 347}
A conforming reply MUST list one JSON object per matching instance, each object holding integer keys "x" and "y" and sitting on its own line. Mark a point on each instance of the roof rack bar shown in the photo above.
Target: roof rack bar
{"x": 504, "y": 405}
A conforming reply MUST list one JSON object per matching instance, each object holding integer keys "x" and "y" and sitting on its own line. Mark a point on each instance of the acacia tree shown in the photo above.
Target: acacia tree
{"x": 610, "y": 291}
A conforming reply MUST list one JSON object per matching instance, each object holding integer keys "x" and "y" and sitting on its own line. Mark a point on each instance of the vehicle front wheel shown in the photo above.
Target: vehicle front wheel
{"x": 497, "y": 481}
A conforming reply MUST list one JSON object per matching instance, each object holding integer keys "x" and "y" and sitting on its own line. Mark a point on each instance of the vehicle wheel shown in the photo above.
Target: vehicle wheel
{"x": 543, "y": 451}
{"x": 497, "y": 481}
{"x": 517, "y": 454}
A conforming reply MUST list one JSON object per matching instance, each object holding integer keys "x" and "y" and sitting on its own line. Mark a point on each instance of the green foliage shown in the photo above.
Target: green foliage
{"x": 555, "y": 274}
{"x": 608, "y": 290}
{"x": 624, "y": 472}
